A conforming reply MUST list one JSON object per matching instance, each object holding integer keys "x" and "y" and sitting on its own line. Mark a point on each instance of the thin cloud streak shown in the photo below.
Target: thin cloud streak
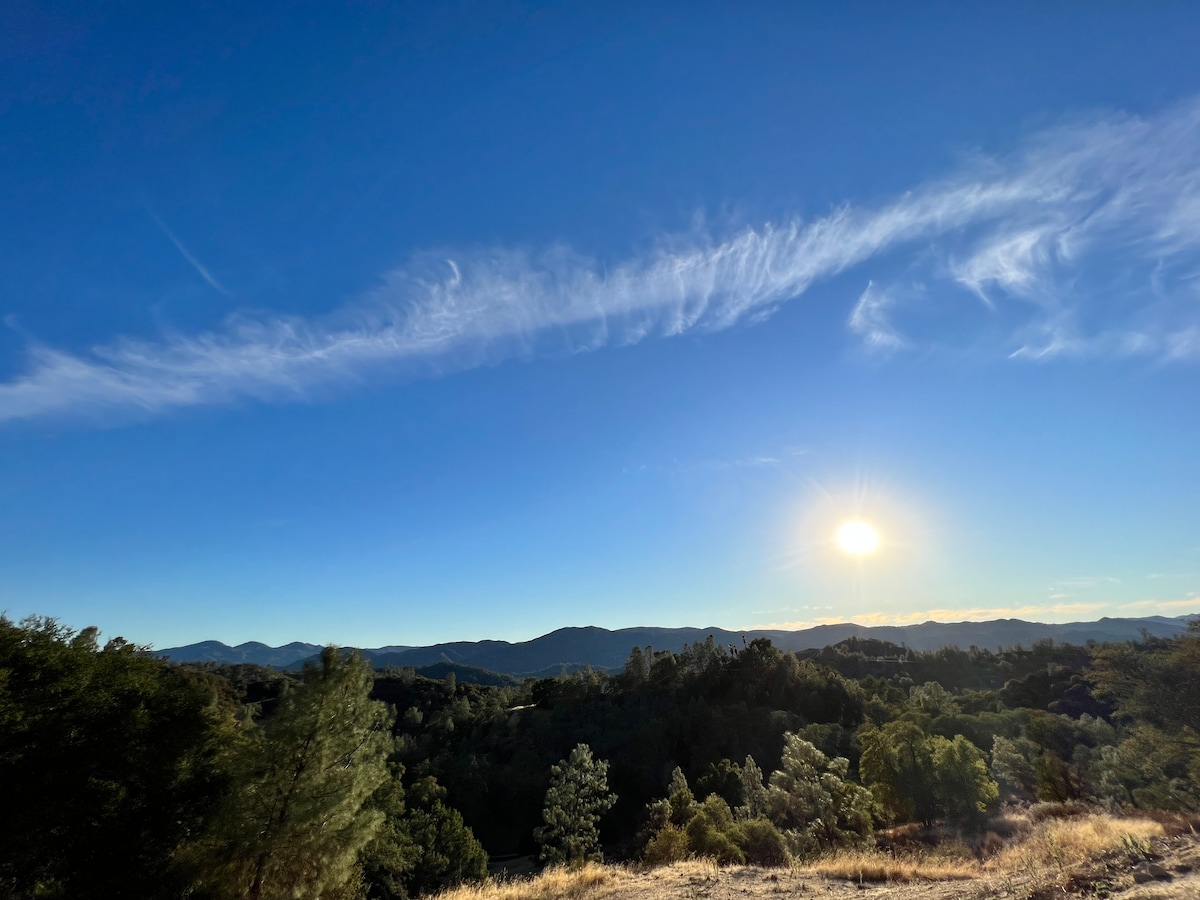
{"x": 200, "y": 268}
{"x": 1023, "y": 233}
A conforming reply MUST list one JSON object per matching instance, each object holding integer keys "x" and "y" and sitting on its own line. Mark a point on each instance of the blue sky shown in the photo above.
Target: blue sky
{"x": 398, "y": 324}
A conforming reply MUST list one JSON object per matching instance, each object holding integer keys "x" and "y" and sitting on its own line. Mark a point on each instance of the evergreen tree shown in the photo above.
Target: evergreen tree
{"x": 106, "y": 764}
{"x": 447, "y": 852}
{"x": 754, "y": 792}
{"x": 391, "y": 855}
{"x": 576, "y": 799}
{"x": 297, "y": 818}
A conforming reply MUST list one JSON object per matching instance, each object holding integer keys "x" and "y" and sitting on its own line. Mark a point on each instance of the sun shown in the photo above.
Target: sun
{"x": 857, "y": 538}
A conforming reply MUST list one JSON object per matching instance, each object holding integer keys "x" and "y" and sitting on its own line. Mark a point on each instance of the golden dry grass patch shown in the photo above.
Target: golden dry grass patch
{"x": 875, "y": 865}
{"x": 589, "y": 882}
{"x": 1056, "y": 845}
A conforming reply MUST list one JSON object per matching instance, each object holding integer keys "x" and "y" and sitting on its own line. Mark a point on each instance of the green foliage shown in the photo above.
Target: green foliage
{"x": 754, "y": 792}
{"x": 669, "y": 844}
{"x": 117, "y": 767}
{"x": 723, "y": 778}
{"x": 392, "y": 854}
{"x": 682, "y": 828}
{"x": 896, "y": 765}
{"x": 762, "y": 843}
{"x": 1147, "y": 769}
{"x": 812, "y": 798}
{"x": 447, "y": 852}
{"x": 576, "y": 799}
{"x": 1013, "y": 767}
{"x": 919, "y": 777}
{"x": 961, "y": 779}
{"x": 298, "y": 816}
{"x": 1156, "y": 687}
{"x": 711, "y": 832}
{"x": 106, "y": 763}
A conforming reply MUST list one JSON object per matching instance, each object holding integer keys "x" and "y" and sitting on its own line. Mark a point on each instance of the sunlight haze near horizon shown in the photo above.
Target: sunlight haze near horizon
{"x": 411, "y": 324}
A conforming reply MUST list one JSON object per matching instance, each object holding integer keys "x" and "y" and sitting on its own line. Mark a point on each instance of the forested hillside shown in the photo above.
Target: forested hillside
{"x": 577, "y": 648}
{"x": 125, "y": 775}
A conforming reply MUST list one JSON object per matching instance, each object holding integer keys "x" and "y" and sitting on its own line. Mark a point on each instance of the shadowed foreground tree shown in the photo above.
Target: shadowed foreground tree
{"x": 297, "y": 818}
{"x": 106, "y": 764}
{"x": 576, "y": 799}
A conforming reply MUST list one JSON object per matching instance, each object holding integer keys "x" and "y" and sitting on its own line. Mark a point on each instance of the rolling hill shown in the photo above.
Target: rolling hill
{"x": 601, "y": 648}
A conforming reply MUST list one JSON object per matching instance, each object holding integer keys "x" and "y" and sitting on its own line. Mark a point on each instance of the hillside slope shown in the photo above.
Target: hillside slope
{"x": 604, "y": 649}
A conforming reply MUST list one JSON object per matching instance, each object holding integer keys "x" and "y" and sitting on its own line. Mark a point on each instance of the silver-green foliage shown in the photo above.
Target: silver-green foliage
{"x": 813, "y": 799}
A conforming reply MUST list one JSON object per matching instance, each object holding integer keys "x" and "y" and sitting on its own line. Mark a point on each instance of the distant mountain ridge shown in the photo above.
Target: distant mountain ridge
{"x": 574, "y": 648}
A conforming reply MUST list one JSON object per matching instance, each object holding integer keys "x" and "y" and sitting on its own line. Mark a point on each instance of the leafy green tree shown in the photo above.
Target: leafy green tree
{"x": 680, "y": 827}
{"x": 1013, "y": 766}
{"x": 298, "y": 815}
{"x": 712, "y": 832}
{"x": 919, "y": 777}
{"x": 898, "y": 768}
{"x": 1156, "y": 687}
{"x": 576, "y": 799}
{"x": 961, "y": 778}
{"x": 106, "y": 764}
{"x": 814, "y": 800}
{"x": 669, "y": 844}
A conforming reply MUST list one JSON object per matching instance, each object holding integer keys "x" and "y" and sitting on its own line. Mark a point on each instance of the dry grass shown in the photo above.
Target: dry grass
{"x": 591, "y": 881}
{"x": 1037, "y": 854}
{"x": 874, "y": 865}
{"x": 1056, "y": 845}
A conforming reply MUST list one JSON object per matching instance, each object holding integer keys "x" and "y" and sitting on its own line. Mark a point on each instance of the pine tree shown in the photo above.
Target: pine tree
{"x": 297, "y": 818}
{"x": 754, "y": 792}
{"x": 576, "y": 799}
{"x": 106, "y": 764}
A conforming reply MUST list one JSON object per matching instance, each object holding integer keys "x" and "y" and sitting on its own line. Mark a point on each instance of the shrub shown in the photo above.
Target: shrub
{"x": 762, "y": 843}
{"x": 669, "y": 845}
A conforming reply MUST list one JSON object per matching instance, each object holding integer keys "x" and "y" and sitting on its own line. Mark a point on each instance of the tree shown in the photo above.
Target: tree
{"x": 897, "y": 767}
{"x": 447, "y": 851}
{"x": 576, "y": 799}
{"x": 681, "y": 827}
{"x": 961, "y": 778}
{"x": 812, "y": 797}
{"x": 106, "y": 763}
{"x": 391, "y": 855}
{"x": 297, "y": 818}
{"x": 754, "y": 792}
{"x": 918, "y": 777}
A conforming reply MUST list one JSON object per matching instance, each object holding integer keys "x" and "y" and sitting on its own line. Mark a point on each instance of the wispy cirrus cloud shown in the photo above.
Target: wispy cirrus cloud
{"x": 1081, "y": 243}
{"x": 870, "y": 320}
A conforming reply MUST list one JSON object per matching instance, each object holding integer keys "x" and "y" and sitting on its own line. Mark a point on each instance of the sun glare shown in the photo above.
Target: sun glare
{"x": 857, "y": 538}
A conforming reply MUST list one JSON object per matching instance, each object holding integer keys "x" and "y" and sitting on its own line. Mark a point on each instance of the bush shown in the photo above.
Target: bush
{"x": 669, "y": 845}
{"x": 762, "y": 843}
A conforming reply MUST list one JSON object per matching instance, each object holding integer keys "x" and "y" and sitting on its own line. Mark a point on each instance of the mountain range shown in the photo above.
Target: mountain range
{"x": 574, "y": 648}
